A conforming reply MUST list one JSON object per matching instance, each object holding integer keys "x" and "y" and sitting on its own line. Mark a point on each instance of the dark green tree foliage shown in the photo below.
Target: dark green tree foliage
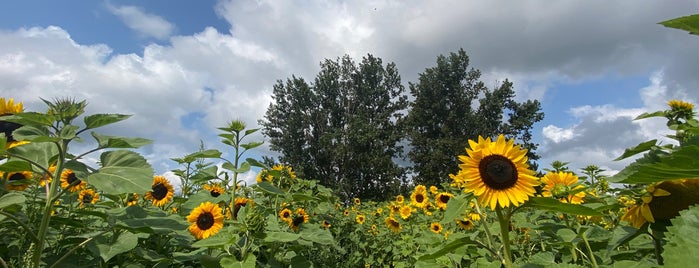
{"x": 342, "y": 129}
{"x": 452, "y": 106}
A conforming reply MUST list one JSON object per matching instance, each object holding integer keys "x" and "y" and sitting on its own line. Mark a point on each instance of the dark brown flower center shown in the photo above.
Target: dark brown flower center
{"x": 159, "y": 191}
{"x": 298, "y": 220}
{"x": 419, "y": 198}
{"x": 16, "y": 177}
{"x": 205, "y": 220}
{"x": 215, "y": 193}
{"x": 498, "y": 172}
{"x": 444, "y": 198}
{"x": 72, "y": 179}
{"x": 8, "y": 128}
{"x": 87, "y": 198}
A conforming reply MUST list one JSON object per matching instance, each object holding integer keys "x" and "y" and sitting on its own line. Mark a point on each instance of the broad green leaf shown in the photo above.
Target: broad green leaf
{"x": 688, "y": 23}
{"x": 680, "y": 164}
{"x": 645, "y": 146}
{"x": 281, "y": 237}
{"x": 448, "y": 248}
{"x": 268, "y": 188}
{"x": 558, "y": 206}
{"x": 126, "y": 242}
{"x": 156, "y": 224}
{"x": 98, "y": 120}
{"x": 250, "y": 131}
{"x": 255, "y": 163}
{"x": 10, "y": 199}
{"x": 566, "y": 235}
{"x": 15, "y": 165}
{"x": 203, "y": 196}
{"x": 3, "y": 144}
{"x": 33, "y": 133}
{"x": 231, "y": 262}
{"x": 105, "y": 141}
{"x": 30, "y": 118}
{"x": 122, "y": 172}
{"x": 649, "y": 115}
{"x": 317, "y": 235}
{"x": 68, "y": 132}
{"x": 211, "y": 153}
{"x": 304, "y": 197}
{"x": 623, "y": 235}
{"x": 456, "y": 206}
{"x": 251, "y": 145}
{"x": 41, "y": 153}
{"x": 682, "y": 248}
{"x": 219, "y": 240}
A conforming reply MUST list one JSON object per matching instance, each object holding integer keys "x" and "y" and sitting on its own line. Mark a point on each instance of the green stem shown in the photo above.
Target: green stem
{"x": 485, "y": 227}
{"x": 29, "y": 231}
{"x": 76, "y": 248}
{"x": 505, "y": 233}
{"x": 589, "y": 250}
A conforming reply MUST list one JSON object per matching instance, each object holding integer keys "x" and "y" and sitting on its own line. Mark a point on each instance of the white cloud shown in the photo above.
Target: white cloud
{"x": 557, "y": 134}
{"x": 148, "y": 25}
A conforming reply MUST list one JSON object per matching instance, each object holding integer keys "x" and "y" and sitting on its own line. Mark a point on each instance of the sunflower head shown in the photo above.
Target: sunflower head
{"x": 466, "y": 224}
{"x": 70, "y": 181}
{"x": 419, "y": 197}
{"x": 357, "y": 201}
{"x": 87, "y": 196}
{"x": 405, "y": 212}
{"x": 400, "y": 199}
{"x": 360, "y": 218}
{"x": 162, "y": 191}
{"x": 205, "y": 220}
{"x": 496, "y": 172}
{"x": 393, "y": 224}
{"x": 132, "y": 199}
{"x": 17, "y": 181}
{"x": 9, "y": 107}
{"x": 238, "y": 203}
{"x": 326, "y": 224}
{"x": 442, "y": 199}
{"x": 298, "y": 219}
{"x": 214, "y": 189}
{"x": 436, "y": 227}
{"x": 564, "y": 186}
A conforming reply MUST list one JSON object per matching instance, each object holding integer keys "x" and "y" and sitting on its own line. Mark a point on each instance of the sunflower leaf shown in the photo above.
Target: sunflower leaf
{"x": 281, "y": 237}
{"x": 10, "y": 199}
{"x": 558, "y": 206}
{"x": 456, "y": 206}
{"x": 688, "y": 23}
{"x": 122, "y": 172}
{"x": 448, "y": 248}
{"x": 40, "y": 153}
{"x": 105, "y": 141}
{"x": 642, "y": 147}
{"x": 30, "y": 118}
{"x": 15, "y": 165}
{"x": 268, "y": 188}
{"x": 680, "y": 164}
{"x": 98, "y": 120}
{"x": 682, "y": 248}
{"x": 32, "y": 133}
{"x": 126, "y": 242}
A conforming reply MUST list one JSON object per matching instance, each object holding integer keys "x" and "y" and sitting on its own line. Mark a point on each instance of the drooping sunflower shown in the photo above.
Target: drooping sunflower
{"x": 663, "y": 201}
{"x": 132, "y": 199}
{"x": 70, "y": 180}
{"x": 88, "y": 196}
{"x": 394, "y": 208}
{"x": 393, "y": 224}
{"x": 419, "y": 197}
{"x": 18, "y": 181}
{"x": 360, "y": 218}
{"x": 9, "y": 107}
{"x": 465, "y": 223}
{"x": 442, "y": 199}
{"x": 300, "y": 217}
{"x": 162, "y": 191}
{"x": 436, "y": 227}
{"x": 563, "y": 186}
{"x": 214, "y": 189}
{"x": 405, "y": 212}
{"x": 285, "y": 215}
{"x": 205, "y": 220}
{"x": 496, "y": 172}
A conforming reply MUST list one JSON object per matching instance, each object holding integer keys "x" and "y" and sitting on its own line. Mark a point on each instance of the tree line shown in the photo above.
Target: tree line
{"x": 356, "y": 129}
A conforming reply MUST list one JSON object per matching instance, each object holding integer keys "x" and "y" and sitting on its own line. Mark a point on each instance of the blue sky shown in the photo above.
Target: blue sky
{"x": 184, "y": 68}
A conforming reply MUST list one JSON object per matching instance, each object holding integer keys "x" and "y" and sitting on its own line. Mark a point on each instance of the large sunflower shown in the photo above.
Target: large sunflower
{"x": 88, "y": 196}
{"x": 205, "y": 220}
{"x": 496, "y": 172}
{"x": 18, "y": 181}
{"x": 563, "y": 186}
{"x": 70, "y": 180}
{"x": 162, "y": 191}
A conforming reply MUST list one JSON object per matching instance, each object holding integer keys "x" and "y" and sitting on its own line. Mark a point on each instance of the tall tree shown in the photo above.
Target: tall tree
{"x": 343, "y": 128}
{"x": 451, "y": 105}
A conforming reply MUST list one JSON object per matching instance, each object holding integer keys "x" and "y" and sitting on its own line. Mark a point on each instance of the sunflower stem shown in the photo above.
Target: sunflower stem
{"x": 486, "y": 229}
{"x": 589, "y": 250}
{"x": 505, "y": 235}
{"x": 46, "y": 217}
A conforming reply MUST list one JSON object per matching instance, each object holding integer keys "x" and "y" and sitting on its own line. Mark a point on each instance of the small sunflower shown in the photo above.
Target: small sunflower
{"x": 300, "y": 217}
{"x": 436, "y": 228}
{"x": 214, "y": 189}
{"x": 18, "y": 181}
{"x": 405, "y": 212}
{"x": 132, "y": 199}
{"x": 434, "y": 189}
{"x": 88, "y": 196}
{"x": 70, "y": 180}
{"x": 394, "y": 208}
{"x": 393, "y": 224}
{"x": 465, "y": 223}
{"x": 240, "y": 202}
{"x": 419, "y": 196}
{"x": 346, "y": 213}
{"x": 442, "y": 199}
{"x": 378, "y": 212}
{"x": 285, "y": 215}
{"x": 326, "y": 224}
{"x": 162, "y": 191}
{"x": 205, "y": 220}
{"x": 400, "y": 199}
{"x": 360, "y": 218}
{"x": 357, "y": 201}
{"x": 563, "y": 186}
{"x": 496, "y": 172}
{"x": 47, "y": 178}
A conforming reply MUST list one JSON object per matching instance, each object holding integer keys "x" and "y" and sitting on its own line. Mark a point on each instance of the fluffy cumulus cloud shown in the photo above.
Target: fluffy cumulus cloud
{"x": 181, "y": 89}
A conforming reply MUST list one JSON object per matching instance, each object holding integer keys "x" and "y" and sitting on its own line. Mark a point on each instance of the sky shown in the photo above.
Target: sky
{"x": 185, "y": 68}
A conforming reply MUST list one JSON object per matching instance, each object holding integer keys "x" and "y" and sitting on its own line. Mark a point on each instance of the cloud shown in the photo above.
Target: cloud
{"x": 147, "y": 25}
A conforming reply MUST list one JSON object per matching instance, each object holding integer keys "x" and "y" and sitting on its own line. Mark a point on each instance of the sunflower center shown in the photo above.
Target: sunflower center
{"x": 8, "y": 128}
{"x": 87, "y": 198}
{"x": 444, "y": 199}
{"x": 215, "y": 193}
{"x": 159, "y": 191}
{"x": 419, "y": 198}
{"x": 16, "y": 177}
{"x": 498, "y": 172}
{"x": 72, "y": 178}
{"x": 560, "y": 190}
{"x": 205, "y": 221}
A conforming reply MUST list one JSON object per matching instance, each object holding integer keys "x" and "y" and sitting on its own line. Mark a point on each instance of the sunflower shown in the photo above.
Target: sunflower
{"x": 434, "y": 189}
{"x": 205, "y": 220}
{"x": 405, "y": 212}
{"x": 9, "y": 108}
{"x": 162, "y": 192}
{"x": 400, "y": 199}
{"x": 393, "y": 224}
{"x": 214, "y": 189}
{"x": 47, "y": 178}
{"x": 442, "y": 199}
{"x": 496, "y": 172}
{"x": 379, "y": 212}
{"x": 419, "y": 197}
{"x": 285, "y": 215}
{"x": 70, "y": 181}
{"x": 465, "y": 223}
{"x": 300, "y": 217}
{"x": 436, "y": 228}
{"x": 360, "y": 218}
{"x": 562, "y": 185}
{"x": 132, "y": 199}
{"x": 394, "y": 208}
{"x": 18, "y": 181}
{"x": 238, "y": 203}
{"x": 346, "y": 213}
{"x": 326, "y": 224}
{"x": 357, "y": 201}
{"x": 88, "y": 196}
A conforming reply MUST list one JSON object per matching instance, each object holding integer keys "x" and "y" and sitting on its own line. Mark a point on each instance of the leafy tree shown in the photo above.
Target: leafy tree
{"x": 451, "y": 105}
{"x": 343, "y": 128}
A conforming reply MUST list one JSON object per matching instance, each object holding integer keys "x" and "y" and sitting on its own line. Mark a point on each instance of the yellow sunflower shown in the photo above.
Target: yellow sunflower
{"x": 214, "y": 189}
{"x": 132, "y": 199}
{"x": 326, "y": 224}
{"x": 346, "y": 213}
{"x": 70, "y": 180}
{"x": 394, "y": 208}
{"x": 205, "y": 220}
{"x": 442, "y": 198}
{"x": 162, "y": 191}
{"x": 434, "y": 189}
{"x": 436, "y": 228}
{"x": 47, "y": 178}
{"x": 663, "y": 201}
{"x": 465, "y": 223}
{"x": 393, "y": 224}
{"x": 88, "y": 196}
{"x": 285, "y": 215}
{"x": 357, "y": 201}
{"x": 400, "y": 199}
{"x": 496, "y": 172}
{"x": 18, "y": 181}
{"x": 405, "y": 212}
{"x": 9, "y": 107}
{"x": 563, "y": 186}
{"x": 300, "y": 217}
{"x": 360, "y": 218}
{"x": 419, "y": 197}
{"x": 238, "y": 203}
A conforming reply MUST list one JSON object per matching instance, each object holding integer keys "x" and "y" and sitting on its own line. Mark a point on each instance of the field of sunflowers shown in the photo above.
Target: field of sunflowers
{"x": 57, "y": 211}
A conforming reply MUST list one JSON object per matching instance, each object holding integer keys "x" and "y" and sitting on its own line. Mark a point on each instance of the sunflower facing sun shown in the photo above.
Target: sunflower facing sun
{"x": 496, "y": 172}
{"x": 70, "y": 180}
{"x": 162, "y": 191}
{"x": 563, "y": 186}
{"x": 205, "y": 220}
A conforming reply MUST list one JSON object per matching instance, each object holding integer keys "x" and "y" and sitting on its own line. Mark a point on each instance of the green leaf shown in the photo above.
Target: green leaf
{"x": 126, "y": 242}
{"x": 317, "y": 235}
{"x": 30, "y": 118}
{"x": 231, "y": 262}
{"x": 268, "y": 188}
{"x": 15, "y": 165}
{"x": 649, "y": 115}
{"x": 566, "y": 235}
{"x": 211, "y": 153}
{"x": 98, "y": 120}
{"x": 688, "y": 23}
{"x": 558, "y": 206}
{"x": 251, "y": 145}
{"x": 448, "y": 248}
{"x": 68, "y": 132}
{"x": 255, "y": 163}
{"x": 10, "y": 199}
{"x": 680, "y": 164}
{"x": 154, "y": 224}
{"x": 105, "y": 141}
{"x": 219, "y": 240}
{"x": 682, "y": 248}
{"x": 645, "y": 146}
{"x": 281, "y": 237}
{"x": 33, "y": 133}
{"x": 250, "y": 131}
{"x": 122, "y": 172}
{"x": 41, "y": 153}
{"x": 456, "y": 206}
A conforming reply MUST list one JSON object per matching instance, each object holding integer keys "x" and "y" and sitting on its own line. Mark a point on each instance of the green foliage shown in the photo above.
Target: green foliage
{"x": 682, "y": 249}
{"x": 688, "y": 23}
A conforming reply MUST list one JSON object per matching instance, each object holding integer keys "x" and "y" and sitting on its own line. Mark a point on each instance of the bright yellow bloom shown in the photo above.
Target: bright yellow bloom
{"x": 214, "y": 189}
{"x": 400, "y": 199}
{"x": 562, "y": 185}
{"x": 405, "y": 212}
{"x": 69, "y": 178}
{"x": 17, "y": 181}
{"x": 162, "y": 191}
{"x": 132, "y": 199}
{"x": 285, "y": 215}
{"x": 465, "y": 224}
{"x": 357, "y": 201}
{"x": 419, "y": 197}
{"x": 680, "y": 105}
{"x": 442, "y": 199}
{"x": 434, "y": 189}
{"x": 205, "y": 220}
{"x": 88, "y": 196}
{"x": 393, "y": 224}
{"x": 239, "y": 203}
{"x": 640, "y": 214}
{"x": 10, "y": 107}
{"x": 496, "y": 172}
{"x": 436, "y": 228}
{"x": 360, "y": 218}
{"x": 301, "y": 217}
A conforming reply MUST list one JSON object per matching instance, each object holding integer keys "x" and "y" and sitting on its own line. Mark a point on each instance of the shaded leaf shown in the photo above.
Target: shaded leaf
{"x": 122, "y": 172}
{"x": 268, "y": 188}
{"x": 680, "y": 164}
{"x": 682, "y": 248}
{"x": 10, "y": 199}
{"x": 644, "y": 146}
{"x": 126, "y": 242}
{"x": 98, "y": 120}
{"x": 558, "y": 206}
{"x": 105, "y": 141}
